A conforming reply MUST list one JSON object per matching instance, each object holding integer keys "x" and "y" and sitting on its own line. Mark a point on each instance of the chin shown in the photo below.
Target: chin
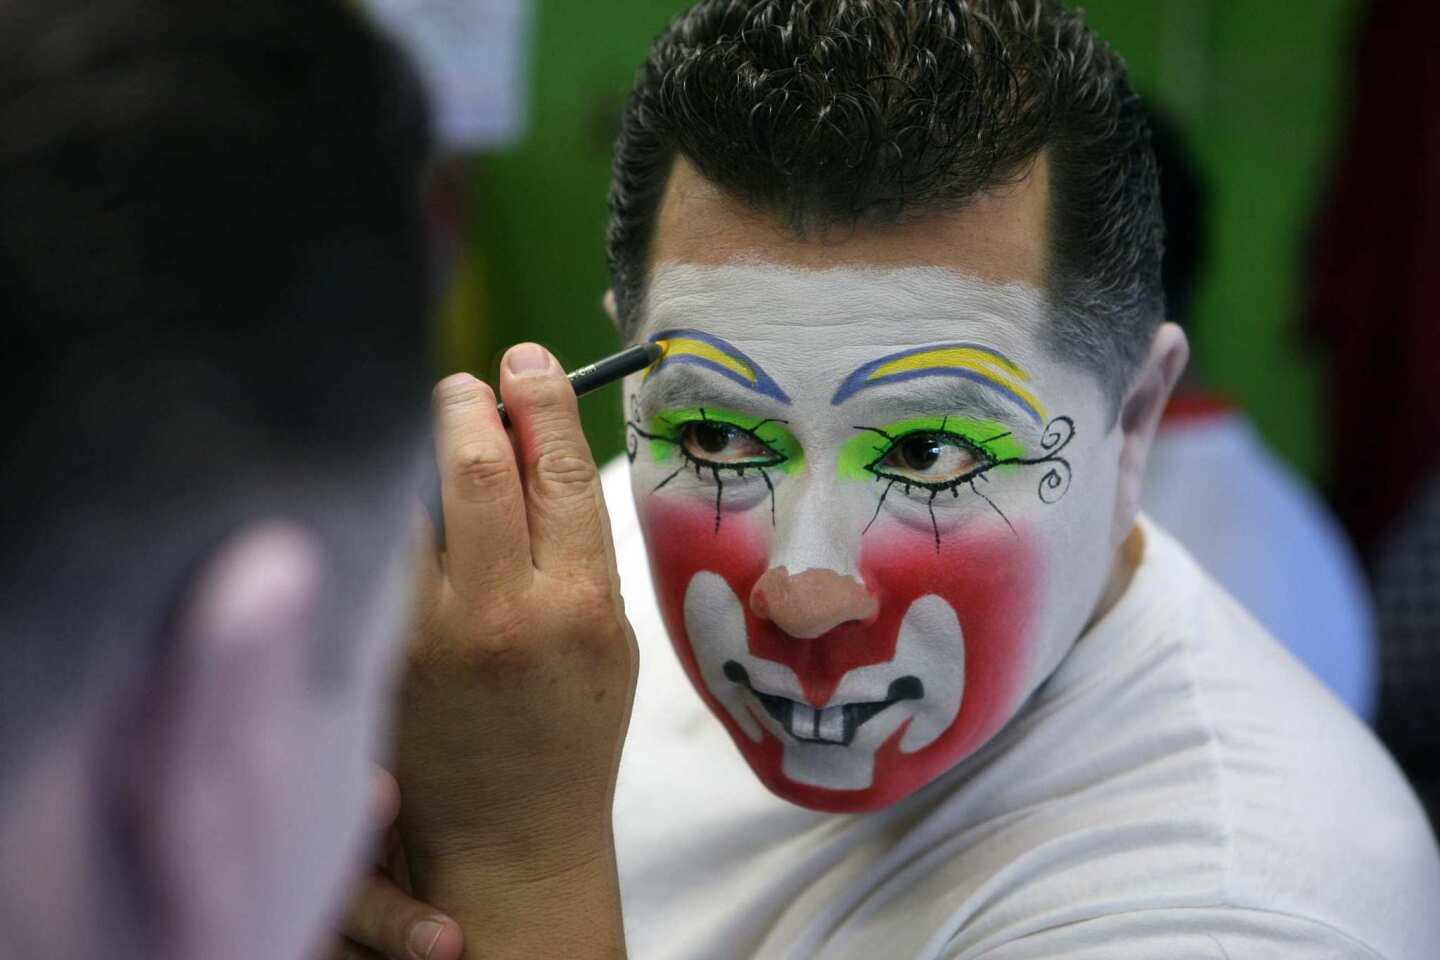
{"x": 799, "y": 774}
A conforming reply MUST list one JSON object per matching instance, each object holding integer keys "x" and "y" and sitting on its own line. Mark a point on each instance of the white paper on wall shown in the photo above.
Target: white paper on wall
{"x": 473, "y": 56}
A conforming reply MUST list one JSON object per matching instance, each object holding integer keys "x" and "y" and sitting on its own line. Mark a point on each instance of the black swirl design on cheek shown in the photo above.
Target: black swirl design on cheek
{"x": 632, "y": 437}
{"x": 1055, "y": 482}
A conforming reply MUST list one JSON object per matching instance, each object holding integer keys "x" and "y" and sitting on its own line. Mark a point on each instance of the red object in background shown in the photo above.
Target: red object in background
{"x": 1375, "y": 274}
{"x": 1196, "y": 406}
{"x": 989, "y": 579}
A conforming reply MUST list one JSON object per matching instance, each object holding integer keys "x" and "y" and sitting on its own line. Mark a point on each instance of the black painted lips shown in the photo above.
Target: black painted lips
{"x": 853, "y": 714}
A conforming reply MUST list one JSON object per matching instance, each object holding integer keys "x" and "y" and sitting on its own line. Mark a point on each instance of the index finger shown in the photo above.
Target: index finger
{"x": 566, "y": 516}
{"x": 487, "y": 545}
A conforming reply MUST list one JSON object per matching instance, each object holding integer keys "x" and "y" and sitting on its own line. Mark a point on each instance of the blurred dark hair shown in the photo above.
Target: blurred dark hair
{"x": 213, "y": 285}
{"x": 855, "y": 111}
{"x": 1184, "y": 198}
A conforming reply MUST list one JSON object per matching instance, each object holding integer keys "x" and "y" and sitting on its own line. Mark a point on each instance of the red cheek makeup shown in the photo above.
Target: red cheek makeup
{"x": 988, "y": 578}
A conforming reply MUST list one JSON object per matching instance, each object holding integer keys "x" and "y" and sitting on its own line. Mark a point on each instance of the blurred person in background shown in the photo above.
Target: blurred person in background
{"x": 918, "y": 680}
{"x": 1214, "y": 484}
{"x": 214, "y": 291}
{"x": 1374, "y": 292}
{"x": 1374, "y": 300}
{"x": 1407, "y": 600}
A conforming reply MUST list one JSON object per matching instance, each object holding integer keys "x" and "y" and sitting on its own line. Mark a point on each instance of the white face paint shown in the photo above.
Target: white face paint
{"x": 878, "y": 512}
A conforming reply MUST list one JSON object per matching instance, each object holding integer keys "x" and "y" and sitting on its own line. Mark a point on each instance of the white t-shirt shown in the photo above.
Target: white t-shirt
{"x": 1270, "y": 542}
{"x": 1179, "y": 788}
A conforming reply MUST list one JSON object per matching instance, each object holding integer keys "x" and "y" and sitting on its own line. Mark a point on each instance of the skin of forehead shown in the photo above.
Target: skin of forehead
{"x": 1000, "y": 237}
{"x": 974, "y": 271}
{"x": 883, "y": 309}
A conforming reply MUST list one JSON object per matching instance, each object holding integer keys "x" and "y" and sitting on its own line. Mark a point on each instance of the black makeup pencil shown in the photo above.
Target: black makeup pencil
{"x": 584, "y": 380}
{"x": 601, "y": 373}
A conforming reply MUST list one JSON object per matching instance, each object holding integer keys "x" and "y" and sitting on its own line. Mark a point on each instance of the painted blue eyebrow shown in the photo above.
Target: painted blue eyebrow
{"x": 693, "y": 348}
{"x": 987, "y": 367}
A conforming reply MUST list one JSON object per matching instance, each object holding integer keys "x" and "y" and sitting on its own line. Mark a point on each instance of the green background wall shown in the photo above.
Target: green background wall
{"x": 1258, "y": 87}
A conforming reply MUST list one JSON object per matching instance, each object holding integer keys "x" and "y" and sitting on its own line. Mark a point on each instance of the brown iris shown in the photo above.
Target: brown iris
{"x": 920, "y": 453}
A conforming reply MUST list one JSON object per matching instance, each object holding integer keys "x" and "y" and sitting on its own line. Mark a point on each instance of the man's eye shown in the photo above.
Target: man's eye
{"x": 928, "y": 458}
{"x": 712, "y": 442}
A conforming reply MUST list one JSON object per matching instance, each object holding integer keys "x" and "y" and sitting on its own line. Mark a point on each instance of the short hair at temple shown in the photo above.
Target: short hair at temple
{"x": 862, "y": 111}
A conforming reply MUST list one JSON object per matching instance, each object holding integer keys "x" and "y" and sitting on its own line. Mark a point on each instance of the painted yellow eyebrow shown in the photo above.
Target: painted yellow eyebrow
{"x": 713, "y": 353}
{"x": 683, "y": 347}
{"x": 965, "y": 360}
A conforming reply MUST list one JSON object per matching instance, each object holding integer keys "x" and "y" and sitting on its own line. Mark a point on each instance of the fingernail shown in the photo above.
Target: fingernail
{"x": 422, "y": 938}
{"x": 528, "y": 358}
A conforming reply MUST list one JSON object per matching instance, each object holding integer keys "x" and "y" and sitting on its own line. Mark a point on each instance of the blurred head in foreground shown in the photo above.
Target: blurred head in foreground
{"x": 213, "y": 283}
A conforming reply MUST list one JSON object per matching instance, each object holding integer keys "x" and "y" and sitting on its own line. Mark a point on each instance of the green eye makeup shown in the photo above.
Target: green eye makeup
{"x": 933, "y": 453}
{"x": 713, "y": 439}
{"x": 930, "y": 454}
{"x": 722, "y": 442}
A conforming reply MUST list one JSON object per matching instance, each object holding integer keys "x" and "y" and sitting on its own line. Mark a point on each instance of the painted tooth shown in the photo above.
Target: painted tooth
{"x": 802, "y": 720}
{"x": 832, "y": 724}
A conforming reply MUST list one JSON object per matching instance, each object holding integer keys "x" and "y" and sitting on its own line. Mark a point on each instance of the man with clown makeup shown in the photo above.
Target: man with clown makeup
{"x": 879, "y": 538}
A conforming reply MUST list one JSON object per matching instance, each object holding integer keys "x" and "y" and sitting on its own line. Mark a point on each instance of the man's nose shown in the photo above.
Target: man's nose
{"x": 809, "y": 604}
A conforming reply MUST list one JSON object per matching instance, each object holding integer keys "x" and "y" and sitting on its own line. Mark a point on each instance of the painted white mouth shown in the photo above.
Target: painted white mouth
{"x": 833, "y": 746}
{"x": 835, "y": 724}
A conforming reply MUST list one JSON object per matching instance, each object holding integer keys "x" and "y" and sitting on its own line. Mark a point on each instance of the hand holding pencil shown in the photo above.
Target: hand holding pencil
{"x": 521, "y": 672}
{"x": 583, "y": 380}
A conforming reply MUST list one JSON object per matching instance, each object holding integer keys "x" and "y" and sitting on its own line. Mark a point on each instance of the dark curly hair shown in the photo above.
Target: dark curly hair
{"x": 843, "y": 112}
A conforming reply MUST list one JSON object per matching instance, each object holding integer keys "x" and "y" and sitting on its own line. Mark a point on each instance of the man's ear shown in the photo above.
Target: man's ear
{"x": 1140, "y": 413}
{"x": 608, "y": 301}
{"x": 224, "y": 732}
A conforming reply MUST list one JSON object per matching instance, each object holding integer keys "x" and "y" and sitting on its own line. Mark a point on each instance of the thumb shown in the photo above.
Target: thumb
{"x": 383, "y": 918}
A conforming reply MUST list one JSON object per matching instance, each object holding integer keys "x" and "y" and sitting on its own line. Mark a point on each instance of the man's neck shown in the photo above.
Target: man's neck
{"x": 1122, "y": 571}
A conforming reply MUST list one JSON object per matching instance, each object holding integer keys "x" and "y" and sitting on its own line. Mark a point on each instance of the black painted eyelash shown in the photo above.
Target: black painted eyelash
{"x": 974, "y": 446}
{"x": 700, "y": 464}
{"x": 1054, "y": 483}
{"x": 978, "y": 447}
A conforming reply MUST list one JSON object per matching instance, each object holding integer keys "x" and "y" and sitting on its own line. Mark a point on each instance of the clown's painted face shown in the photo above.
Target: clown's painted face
{"x": 878, "y": 511}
